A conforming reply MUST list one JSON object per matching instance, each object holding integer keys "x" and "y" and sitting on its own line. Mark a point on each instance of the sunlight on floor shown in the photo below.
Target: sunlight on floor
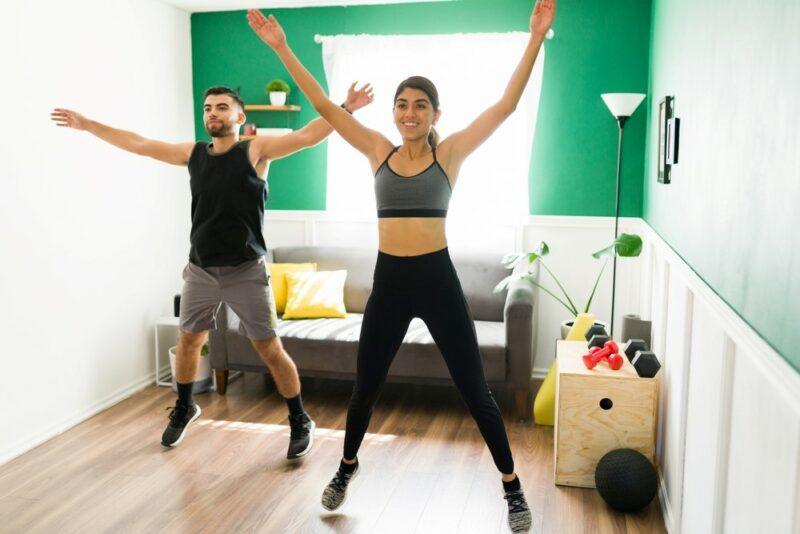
{"x": 269, "y": 428}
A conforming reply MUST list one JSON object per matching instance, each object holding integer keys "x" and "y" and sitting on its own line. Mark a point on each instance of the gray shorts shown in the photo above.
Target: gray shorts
{"x": 245, "y": 288}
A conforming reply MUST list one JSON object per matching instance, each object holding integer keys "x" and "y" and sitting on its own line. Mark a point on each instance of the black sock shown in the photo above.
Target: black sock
{"x": 348, "y": 468}
{"x": 514, "y": 485}
{"x": 295, "y": 405}
{"x": 185, "y": 393}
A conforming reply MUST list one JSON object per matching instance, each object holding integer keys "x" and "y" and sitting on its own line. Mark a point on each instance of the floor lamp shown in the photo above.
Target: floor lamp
{"x": 622, "y": 106}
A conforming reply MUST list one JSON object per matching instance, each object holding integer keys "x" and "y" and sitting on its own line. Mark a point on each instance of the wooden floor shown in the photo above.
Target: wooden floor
{"x": 425, "y": 469}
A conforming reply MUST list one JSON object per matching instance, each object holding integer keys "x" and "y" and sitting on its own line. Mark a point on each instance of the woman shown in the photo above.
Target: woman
{"x": 414, "y": 276}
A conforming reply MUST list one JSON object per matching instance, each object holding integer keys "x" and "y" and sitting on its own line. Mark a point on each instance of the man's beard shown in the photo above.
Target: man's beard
{"x": 218, "y": 130}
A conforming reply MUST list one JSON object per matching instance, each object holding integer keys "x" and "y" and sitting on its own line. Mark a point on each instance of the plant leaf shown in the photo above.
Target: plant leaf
{"x": 625, "y": 246}
{"x": 600, "y": 274}
{"x": 573, "y": 309}
{"x": 503, "y": 284}
{"x": 542, "y": 250}
{"x": 539, "y": 252}
{"x": 511, "y": 260}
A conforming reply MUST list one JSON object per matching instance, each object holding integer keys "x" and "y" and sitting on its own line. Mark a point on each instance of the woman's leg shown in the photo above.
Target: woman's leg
{"x": 448, "y": 318}
{"x": 385, "y": 323}
{"x": 383, "y": 328}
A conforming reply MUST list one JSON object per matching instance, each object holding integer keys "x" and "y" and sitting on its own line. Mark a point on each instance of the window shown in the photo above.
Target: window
{"x": 471, "y": 72}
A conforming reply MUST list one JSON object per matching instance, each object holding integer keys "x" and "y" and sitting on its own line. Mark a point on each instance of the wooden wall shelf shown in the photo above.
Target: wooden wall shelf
{"x": 260, "y": 107}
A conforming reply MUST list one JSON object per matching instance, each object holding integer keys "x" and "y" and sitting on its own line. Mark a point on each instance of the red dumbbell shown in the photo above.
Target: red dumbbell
{"x": 607, "y": 353}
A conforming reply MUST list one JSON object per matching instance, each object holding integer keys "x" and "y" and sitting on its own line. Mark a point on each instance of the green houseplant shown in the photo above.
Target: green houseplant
{"x": 625, "y": 246}
{"x": 278, "y": 90}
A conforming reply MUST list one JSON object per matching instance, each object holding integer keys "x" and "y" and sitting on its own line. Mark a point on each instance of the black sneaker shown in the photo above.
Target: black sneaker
{"x": 519, "y": 515}
{"x": 336, "y": 491}
{"x": 302, "y": 436}
{"x": 179, "y": 418}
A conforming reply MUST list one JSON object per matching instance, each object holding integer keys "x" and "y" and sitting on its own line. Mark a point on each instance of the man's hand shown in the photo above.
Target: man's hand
{"x": 358, "y": 98}
{"x": 174, "y": 153}
{"x": 542, "y": 17}
{"x": 267, "y": 28}
{"x": 69, "y": 119}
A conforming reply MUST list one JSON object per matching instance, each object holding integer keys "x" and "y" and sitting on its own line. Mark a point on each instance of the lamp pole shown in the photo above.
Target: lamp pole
{"x": 621, "y": 106}
{"x": 621, "y": 124}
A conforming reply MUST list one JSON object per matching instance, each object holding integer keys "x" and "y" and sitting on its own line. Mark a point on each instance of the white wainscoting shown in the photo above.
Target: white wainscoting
{"x": 729, "y": 426}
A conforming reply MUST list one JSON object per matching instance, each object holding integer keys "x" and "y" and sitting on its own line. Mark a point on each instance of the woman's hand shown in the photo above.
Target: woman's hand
{"x": 542, "y": 17}
{"x": 267, "y": 28}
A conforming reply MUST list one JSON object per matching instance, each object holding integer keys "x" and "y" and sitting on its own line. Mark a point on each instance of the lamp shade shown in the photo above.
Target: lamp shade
{"x": 622, "y": 104}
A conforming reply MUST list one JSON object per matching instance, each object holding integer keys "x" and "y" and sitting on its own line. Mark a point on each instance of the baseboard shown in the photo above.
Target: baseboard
{"x": 28, "y": 443}
{"x": 539, "y": 373}
{"x": 663, "y": 500}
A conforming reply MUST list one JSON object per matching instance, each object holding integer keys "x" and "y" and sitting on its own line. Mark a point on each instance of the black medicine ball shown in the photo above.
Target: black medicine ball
{"x": 626, "y": 480}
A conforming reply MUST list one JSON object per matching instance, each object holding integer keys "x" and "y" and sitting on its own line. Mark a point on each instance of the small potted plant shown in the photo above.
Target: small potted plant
{"x": 625, "y": 246}
{"x": 202, "y": 380}
{"x": 277, "y": 91}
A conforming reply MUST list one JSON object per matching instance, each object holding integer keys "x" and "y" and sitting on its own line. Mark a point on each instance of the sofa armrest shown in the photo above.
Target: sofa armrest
{"x": 520, "y": 325}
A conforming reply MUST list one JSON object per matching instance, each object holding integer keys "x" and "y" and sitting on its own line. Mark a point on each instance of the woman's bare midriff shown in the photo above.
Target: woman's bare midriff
{"x": 411, "y": 236}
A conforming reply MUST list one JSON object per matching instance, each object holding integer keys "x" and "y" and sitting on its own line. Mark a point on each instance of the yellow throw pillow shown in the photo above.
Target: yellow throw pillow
{"x": 311, "y": 295}
{"x": 277, "y": 279}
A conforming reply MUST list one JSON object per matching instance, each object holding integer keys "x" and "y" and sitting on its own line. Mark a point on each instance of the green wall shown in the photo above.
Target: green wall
{"x": 732, "y": 209}
{"x": 599, "y": 47}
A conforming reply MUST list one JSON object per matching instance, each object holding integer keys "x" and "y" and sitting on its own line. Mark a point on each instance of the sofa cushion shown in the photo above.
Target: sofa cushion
{"x": 479, "y": 272}
{"x": 331, "y": 345}
{"x": 277, "y": 279}
{"x": 358, "y": 262}
{"x": 315, "y": 295}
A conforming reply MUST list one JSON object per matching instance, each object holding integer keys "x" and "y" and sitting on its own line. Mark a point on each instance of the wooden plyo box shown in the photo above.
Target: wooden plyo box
{"x": 584, "y": 430}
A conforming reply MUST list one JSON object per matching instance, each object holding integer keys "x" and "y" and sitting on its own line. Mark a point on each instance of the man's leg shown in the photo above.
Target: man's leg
{"x": 187, "y": 359}
{"x": 284, "y": 372}
{"x": 280, "y": 366}
{"x": 247, "y": 291}
{"x": 185, "y": 411}
{"x": 199, "y": 302}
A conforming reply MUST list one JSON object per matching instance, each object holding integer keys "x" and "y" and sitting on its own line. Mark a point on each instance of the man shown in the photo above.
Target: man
{"x": 226, "y": 259}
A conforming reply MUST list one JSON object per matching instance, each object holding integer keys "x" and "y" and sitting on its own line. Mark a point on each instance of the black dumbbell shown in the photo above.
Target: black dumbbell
{"x": 598, "y": 340}
{"x": 632, "y": 347}
{"x": 595, "y": 330}
{"x": 645, "y": 363}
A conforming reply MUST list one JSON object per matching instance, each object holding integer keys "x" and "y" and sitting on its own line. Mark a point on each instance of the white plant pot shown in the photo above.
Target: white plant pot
{"x": 277, "y": 98}
{"x": 202, "y": 380}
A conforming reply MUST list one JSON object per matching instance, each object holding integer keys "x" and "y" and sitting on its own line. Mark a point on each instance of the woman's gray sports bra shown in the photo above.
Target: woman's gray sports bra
{"x": 426, "y": 194}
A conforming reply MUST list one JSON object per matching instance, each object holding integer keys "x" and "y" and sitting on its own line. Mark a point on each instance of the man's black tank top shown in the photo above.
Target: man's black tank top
{"x": 228, "y": 200}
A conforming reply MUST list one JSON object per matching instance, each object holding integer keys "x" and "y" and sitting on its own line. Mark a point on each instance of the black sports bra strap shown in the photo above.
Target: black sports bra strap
{"x": 395, "y": 149}
{"x": 433, "y": 149}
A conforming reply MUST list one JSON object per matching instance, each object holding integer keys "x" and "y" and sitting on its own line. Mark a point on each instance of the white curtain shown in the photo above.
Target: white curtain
{"x": 470, "y": 72}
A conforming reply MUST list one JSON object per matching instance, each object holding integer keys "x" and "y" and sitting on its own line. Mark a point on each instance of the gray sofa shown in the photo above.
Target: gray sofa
{"x": 327, "y": 348}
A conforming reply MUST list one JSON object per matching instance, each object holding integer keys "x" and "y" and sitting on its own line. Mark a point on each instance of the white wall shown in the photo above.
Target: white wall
{"x": 92, "y": 239}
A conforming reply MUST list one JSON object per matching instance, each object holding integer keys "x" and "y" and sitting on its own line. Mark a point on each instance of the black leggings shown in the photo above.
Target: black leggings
{"x": 427, "y": 287}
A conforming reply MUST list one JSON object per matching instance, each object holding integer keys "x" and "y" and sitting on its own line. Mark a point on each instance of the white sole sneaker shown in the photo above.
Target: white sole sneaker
{"x": 180, "y": 438}
{"x": 344, "y": 497}
{"x": 310, "y": 443}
